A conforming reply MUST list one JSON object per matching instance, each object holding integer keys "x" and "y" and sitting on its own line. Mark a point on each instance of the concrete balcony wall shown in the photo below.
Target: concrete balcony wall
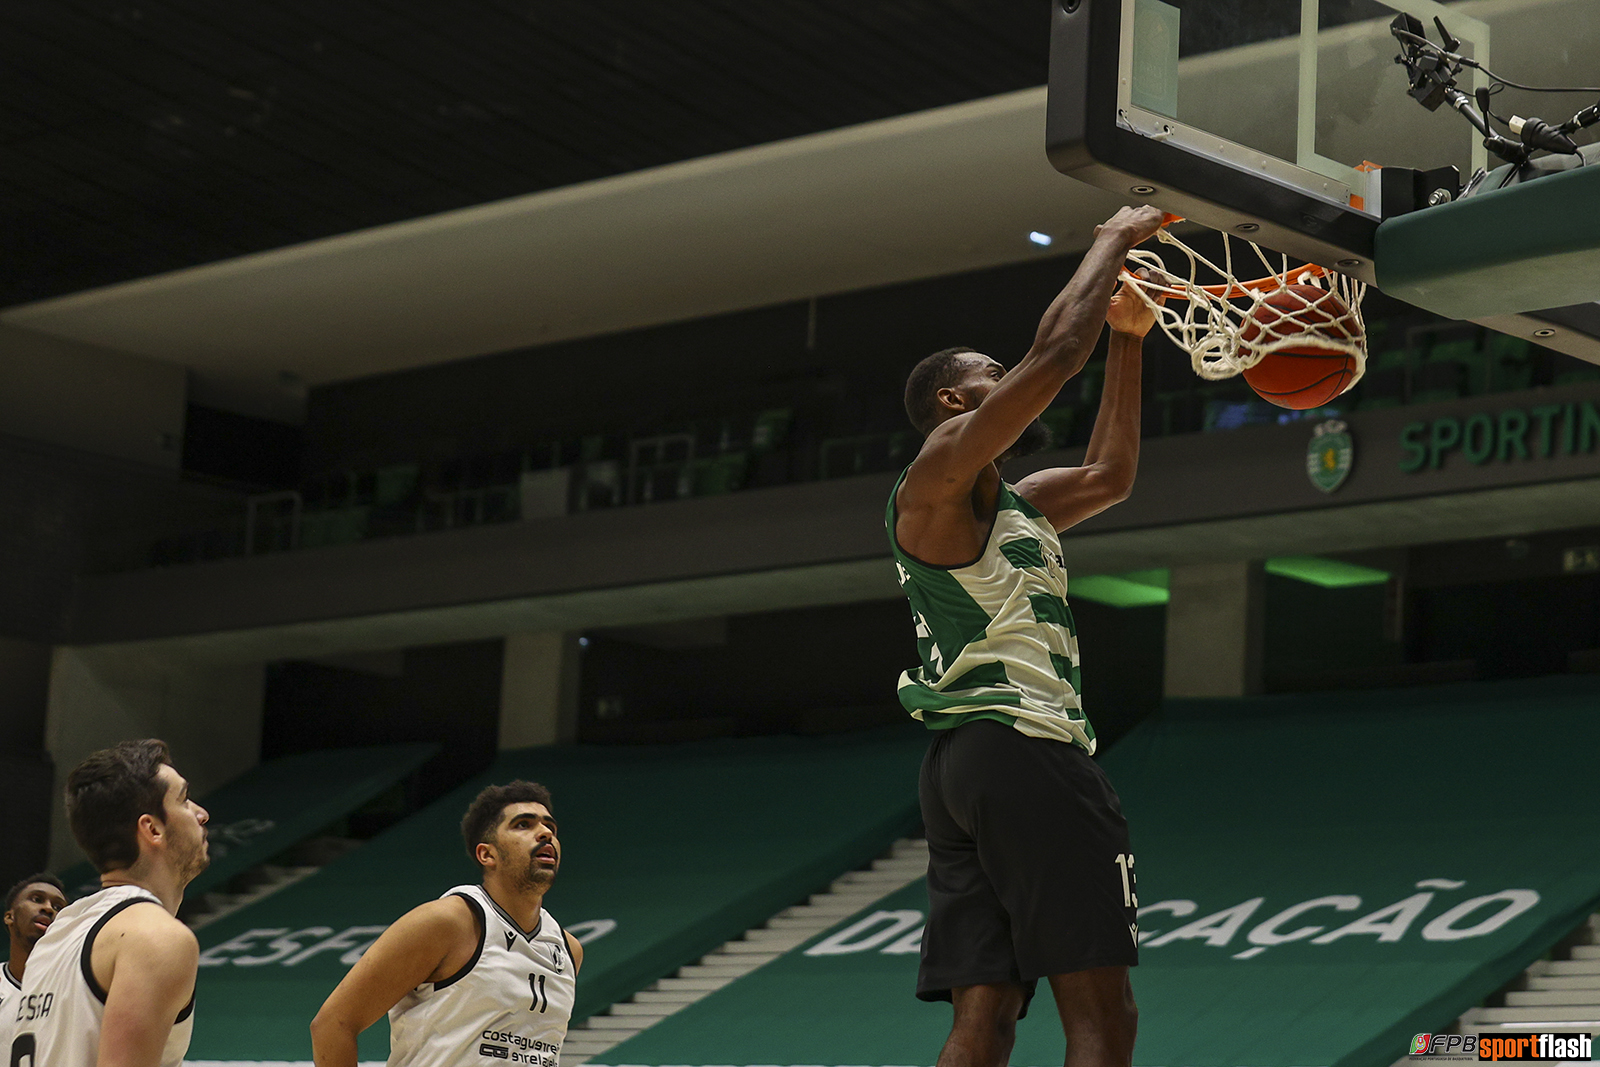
{"x": 1233, "y": 496}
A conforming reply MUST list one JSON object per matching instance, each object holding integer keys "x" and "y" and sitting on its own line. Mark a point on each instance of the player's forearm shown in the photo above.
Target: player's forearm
{"x": 1114, "y": 444}
{"x": 333, "y": 1043}
{"x": 1071, "y": 324}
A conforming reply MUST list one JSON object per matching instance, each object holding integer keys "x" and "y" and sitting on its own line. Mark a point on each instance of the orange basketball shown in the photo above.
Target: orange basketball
{"x": 1306, "y": 375}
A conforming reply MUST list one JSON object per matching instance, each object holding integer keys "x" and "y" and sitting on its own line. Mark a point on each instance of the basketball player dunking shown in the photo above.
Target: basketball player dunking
{"x": 31, "y": 906}
{"x": 1030, "y": 874}
{"x": 111, "y": 982}
{"x": 479, "y": 974}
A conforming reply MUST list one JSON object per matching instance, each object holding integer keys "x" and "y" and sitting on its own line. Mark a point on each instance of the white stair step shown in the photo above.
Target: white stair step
{"x": 839, "y": 906}
{"x": 1571, "y": 967}
{"x": 1568, "y": 981}
{"x": 714, "y": 970}
{"x": 768, "y": 938}
{"x": 587, "y": 1043}
{"x": 1535, "y": 998}
{"x": 629, "y": 1023}
{"x": 636, "y": 1010}
{"x": 1561, "y": 1015}
{"x": 1586, "y": 952}
{"x": 797, "y": 923}
{"x": 1515, "y": 1029}
{"x": 743, "y": 960}
{"x": 697, "y": 985}
{"x": 787, "y": 930}
{"x": 668, "y": 996}
{"x": 858, "y": 895}
{"x": 868, "y": 878}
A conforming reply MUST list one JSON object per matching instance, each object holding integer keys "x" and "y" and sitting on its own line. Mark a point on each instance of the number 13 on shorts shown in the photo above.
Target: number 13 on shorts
{"x": 1130, "y": 881}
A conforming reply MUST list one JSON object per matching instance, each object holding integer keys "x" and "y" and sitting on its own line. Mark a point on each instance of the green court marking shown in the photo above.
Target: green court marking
{"x": 1328, "y": 573}
{"x": 1136, "y": 589}
{"x": 1141, "y": 589}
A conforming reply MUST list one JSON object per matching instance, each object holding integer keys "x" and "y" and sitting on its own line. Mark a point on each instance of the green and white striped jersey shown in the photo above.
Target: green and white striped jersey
{"x": 996, "y": 637}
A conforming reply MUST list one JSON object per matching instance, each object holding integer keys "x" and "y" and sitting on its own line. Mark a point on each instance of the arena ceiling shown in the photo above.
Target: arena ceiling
{"x": 279, "y": 193}
{"x": 276, "y": 191}
{"x": 143, "y": 136}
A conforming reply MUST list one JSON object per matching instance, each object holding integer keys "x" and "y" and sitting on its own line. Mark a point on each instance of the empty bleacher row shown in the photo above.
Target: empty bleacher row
{"x": 1320, "y": 877}
{"x": 1414, "y": 359}
{"x": 669, "y": 852}
{"x": 276, "y": 808}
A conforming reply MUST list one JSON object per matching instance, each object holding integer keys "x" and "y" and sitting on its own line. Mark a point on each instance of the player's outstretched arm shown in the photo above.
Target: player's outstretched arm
{"x": 575, "y": 947}
{"x": 427, "y": 944}
{"x": 146, "y": 961}
{"x": 962, "y": 446}
{"x": 1068, "y": 495}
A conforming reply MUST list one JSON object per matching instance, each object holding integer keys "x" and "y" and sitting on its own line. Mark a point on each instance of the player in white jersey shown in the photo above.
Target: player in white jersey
{"x": 1029, "y": 866}
{"x": 111, "y": 983}
{"x": 31, "y": 906}
{"x": 481, "y": 975}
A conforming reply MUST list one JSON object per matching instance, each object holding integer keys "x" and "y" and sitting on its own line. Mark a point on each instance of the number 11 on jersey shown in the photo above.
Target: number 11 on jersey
{"x": 541, "y": 1000}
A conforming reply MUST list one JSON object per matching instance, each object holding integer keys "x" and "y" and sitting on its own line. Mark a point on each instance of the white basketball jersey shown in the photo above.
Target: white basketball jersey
{"x": 8, "y": 992}
{"x": 511, "y": 1002}
{"x": 56, "y": 1021}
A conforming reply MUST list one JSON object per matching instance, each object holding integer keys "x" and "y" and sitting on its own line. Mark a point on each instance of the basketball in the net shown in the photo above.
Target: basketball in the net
{"x": 1304, "y": 375}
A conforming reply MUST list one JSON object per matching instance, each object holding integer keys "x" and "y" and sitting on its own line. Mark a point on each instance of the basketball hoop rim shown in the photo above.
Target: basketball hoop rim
{"x": 1226, "y": 290}
{"x": 1223, "y": 291}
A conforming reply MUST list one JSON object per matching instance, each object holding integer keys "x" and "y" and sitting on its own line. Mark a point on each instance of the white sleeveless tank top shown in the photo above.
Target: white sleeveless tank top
{"x": 56, "y": 1021}
{"x": 9, "y": 987}
{"x": 511, "y": 1001}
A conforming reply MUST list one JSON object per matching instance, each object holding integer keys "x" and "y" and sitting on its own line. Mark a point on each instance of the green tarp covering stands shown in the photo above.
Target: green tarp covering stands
{"x": 1321, "y": 877}
{"x": 282, "y": 802}
{"x": 668, "y": 852}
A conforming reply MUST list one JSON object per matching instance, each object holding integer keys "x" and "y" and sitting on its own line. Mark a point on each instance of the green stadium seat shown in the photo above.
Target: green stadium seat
{"x": 1576, "y": 375}
{"x": 771, "y": 429}
{"x": 720, "y": 474}
{"x": 1275, "y": 883}
{"x": 395, "y": 484}
{"x": 755, "y": 825}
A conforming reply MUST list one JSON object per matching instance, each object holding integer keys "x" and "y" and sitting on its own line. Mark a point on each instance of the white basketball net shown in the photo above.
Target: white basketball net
{"x": 1210, "y": 322}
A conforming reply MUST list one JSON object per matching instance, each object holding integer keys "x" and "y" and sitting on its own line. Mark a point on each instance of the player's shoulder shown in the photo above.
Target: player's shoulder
{"x": 939, "y": 476}
{"x": 146, "y": 927}
{"x": 149, "y": 918}
{"x": 453, "y": 916}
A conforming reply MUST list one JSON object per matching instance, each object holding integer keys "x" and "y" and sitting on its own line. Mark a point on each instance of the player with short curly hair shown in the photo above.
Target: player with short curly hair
{"x": 479, "y": 972}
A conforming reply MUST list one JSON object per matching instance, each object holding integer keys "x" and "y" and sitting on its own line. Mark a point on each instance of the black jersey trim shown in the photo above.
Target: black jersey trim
{"x": 188, "y": 1010}
{"x": 483, "y": 933}
{"x": 94, "y": 931}
{"x": 6, "y": 967}
{"x": 566, "y": 946}
{"x": 526, "y": 935}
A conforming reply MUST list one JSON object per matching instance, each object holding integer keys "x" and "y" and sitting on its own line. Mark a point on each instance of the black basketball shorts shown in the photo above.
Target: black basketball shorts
{"x": 1029, "y": 869}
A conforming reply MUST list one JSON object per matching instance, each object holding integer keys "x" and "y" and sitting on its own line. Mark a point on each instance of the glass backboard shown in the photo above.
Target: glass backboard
{"x": 1277, "y": 118}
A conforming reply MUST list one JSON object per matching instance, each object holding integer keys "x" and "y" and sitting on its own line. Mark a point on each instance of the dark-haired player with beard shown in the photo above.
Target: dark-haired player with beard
{"x": 479, "y": 974}
{"x": 1030, "y": 874}
{"x": 111, "y": 982}
{"x": 31, "y": 906}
